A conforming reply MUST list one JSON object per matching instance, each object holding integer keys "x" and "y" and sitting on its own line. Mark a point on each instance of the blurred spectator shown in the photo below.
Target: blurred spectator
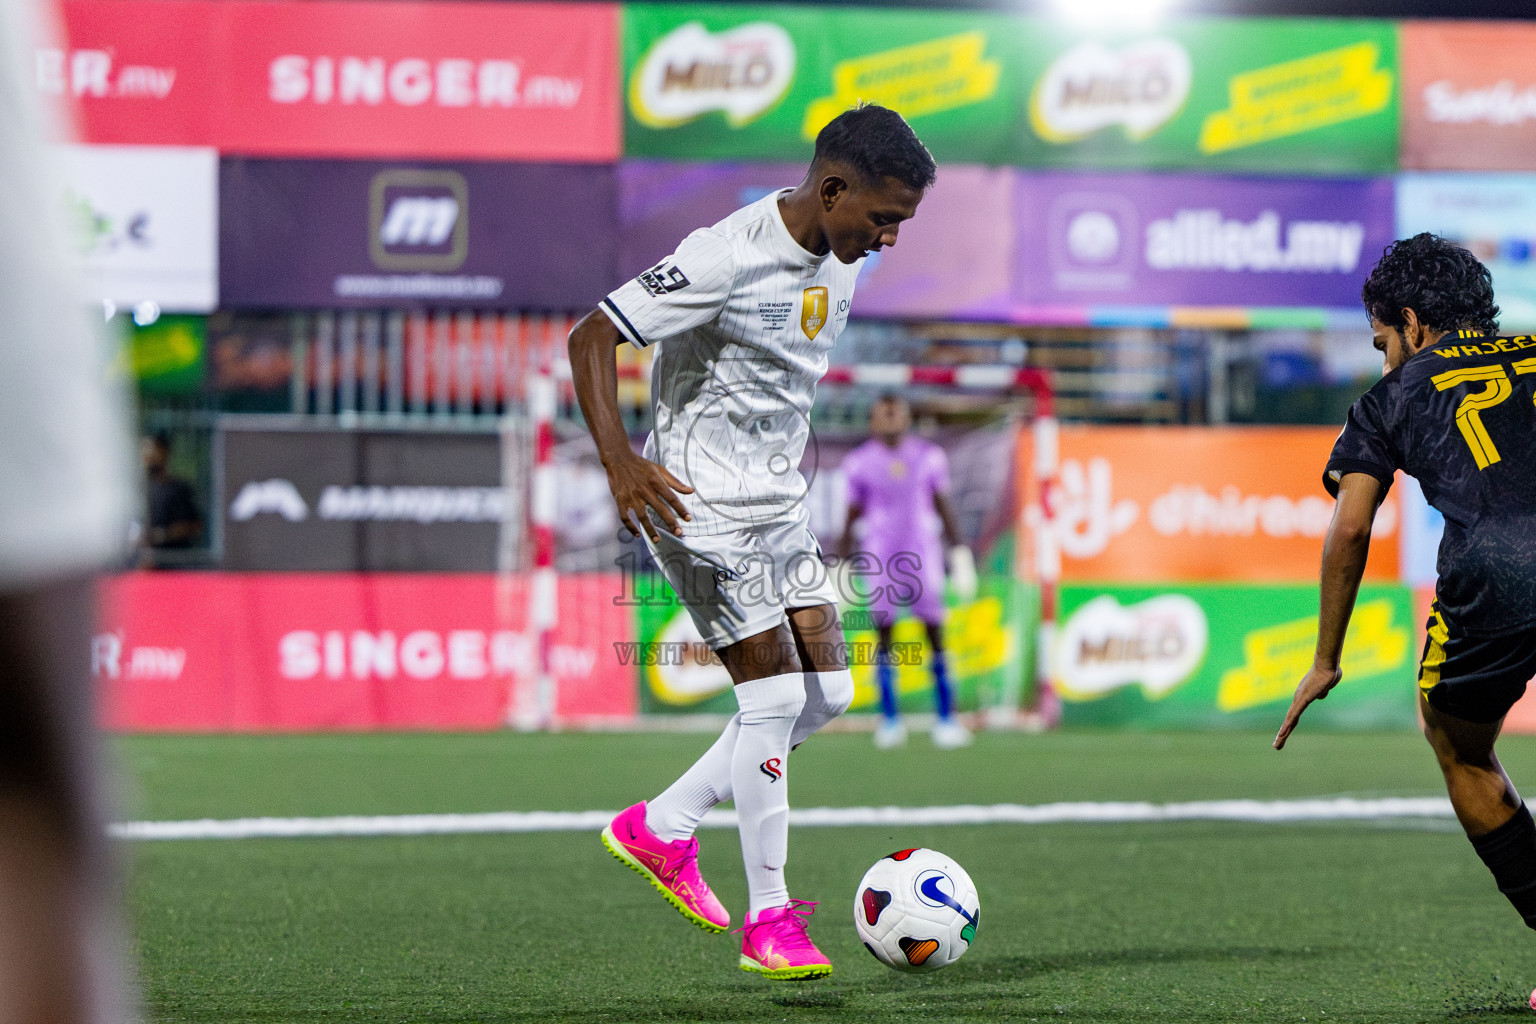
{"x": 174, "y": 520}
{"x": 65, "y": 493}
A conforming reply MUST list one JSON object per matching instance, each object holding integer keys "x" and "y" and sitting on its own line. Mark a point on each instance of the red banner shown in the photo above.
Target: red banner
{"x": 504, "y": 81}
{"x": 1469, "y": 95}
{"x": 317, "y": 651}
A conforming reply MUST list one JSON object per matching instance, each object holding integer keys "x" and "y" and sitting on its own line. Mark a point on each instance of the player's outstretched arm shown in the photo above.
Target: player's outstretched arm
{"x": 1344, "y": 552}
{"x": 637, "y": 484}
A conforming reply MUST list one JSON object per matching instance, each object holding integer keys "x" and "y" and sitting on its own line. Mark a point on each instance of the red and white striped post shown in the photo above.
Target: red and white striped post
{"x": 543, "y": 592}
{"x": 1047, "y": 444}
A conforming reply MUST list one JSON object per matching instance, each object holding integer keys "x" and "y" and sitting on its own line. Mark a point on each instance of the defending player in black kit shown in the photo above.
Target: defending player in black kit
{"x": 1455, "y": 410}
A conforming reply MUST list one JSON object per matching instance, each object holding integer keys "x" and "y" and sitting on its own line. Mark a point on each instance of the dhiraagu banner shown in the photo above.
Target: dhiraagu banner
{"x": 705, "y": 82}
{"x": 1294, "y": 95}
{"x": 1224, "y": 656}
{"x": 988, "y": 643}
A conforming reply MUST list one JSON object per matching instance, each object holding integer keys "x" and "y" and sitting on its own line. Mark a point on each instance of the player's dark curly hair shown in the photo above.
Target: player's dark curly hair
{"x": 877, "y": 143}
{"x": 1443, "y": 283}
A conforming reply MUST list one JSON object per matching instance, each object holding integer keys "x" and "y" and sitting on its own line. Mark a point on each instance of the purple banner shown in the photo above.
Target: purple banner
{"x": 332, "y": 233}
{"x": 951, "y": 260}
{"x": 1195, "y": 240}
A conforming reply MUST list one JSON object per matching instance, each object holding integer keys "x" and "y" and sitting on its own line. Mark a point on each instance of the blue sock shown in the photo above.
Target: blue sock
{"x": 943, "y": 694}
{"x": 886, "y": 674}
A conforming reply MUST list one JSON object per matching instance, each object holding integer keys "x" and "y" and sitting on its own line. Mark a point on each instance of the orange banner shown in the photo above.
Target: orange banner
{"x": 1469, "y": 95}
{"x": 1159, "y": 504}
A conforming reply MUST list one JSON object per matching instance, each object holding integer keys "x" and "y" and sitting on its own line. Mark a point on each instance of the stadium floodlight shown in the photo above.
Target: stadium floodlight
{"x": 1131, "y": 14}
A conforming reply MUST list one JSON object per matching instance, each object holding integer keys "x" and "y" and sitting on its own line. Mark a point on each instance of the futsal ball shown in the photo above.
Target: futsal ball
{"x": 916, "y": 911}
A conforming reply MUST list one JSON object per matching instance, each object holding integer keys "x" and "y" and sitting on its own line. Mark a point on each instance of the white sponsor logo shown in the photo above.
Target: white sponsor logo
{"x": 1503, "y": 103}
{"x": 1205, "y": 240}
{"x": 421, "y": 654}
{"x": 1087, "y": 515}
{"x": 277, "y": 496}
{"x": 419, "y": 220}
{"x": 691, "y": 71}
{"x": 1158, "y": 643}
{"x": 411, "y": 82}
{"x": 1093, "y": 236}
{"x": 415, "y": 504}
{"x": 1091, "y": 87}
{"x": 1191, "y": 509}
{"x": 112, "y": 658}
{"x": 90, "y": 73}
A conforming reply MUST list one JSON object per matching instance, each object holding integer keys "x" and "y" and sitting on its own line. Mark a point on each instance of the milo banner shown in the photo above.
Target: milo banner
{"x": 1228, "y": 656}
{"x": 708, "y": 82}
{"x": 1314, "y": 96}
{"x": 986, "y": 639}
{"x": 1308, "y": 96}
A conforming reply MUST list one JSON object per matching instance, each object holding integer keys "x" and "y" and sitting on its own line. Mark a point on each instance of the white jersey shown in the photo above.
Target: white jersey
{"x": 65, "y": 476}
{"x": 744, "y": 318}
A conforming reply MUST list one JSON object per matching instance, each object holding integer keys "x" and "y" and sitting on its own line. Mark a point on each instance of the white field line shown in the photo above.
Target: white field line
{"x": 1319, "y": 809}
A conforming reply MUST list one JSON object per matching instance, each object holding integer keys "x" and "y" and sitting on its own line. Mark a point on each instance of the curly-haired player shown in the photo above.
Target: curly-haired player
{"x": 744, "y": 314}
{"x": 1455, "y": 410}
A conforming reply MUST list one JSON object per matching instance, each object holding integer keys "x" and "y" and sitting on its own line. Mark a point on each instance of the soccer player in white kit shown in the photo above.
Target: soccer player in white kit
{"x": 744, "y": 314}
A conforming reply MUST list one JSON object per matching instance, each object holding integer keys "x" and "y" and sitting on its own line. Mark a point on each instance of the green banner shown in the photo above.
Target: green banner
{"x": 1227, "y": 656}
{"x": 758, "y": 83}
{"x": 1312, "y": 96}
{"x": 1309, "y": 96}
{"x": 169, "y": 356}
{"x": 986, "y": 640}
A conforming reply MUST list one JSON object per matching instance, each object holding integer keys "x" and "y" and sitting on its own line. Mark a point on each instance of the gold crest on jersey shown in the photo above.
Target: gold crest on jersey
{"x": 813, "y": 311}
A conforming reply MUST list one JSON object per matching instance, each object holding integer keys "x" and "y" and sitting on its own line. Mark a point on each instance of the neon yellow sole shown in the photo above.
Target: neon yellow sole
{"x": 807, "y": 973}
{"x": 625, "y": 857}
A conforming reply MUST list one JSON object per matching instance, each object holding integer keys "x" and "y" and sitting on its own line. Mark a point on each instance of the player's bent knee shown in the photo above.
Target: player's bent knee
{"x": 836, "y": 691}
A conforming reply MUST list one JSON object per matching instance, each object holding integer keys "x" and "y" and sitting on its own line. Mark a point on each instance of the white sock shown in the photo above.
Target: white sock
{"x": 827, "y": 695}
{"x": 760, "y": 783}
{"x": 676, "y": 813}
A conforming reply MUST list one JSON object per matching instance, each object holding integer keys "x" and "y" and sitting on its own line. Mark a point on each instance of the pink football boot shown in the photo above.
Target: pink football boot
{"x": 776, "y": 945}
{"x": 671, "y": 868}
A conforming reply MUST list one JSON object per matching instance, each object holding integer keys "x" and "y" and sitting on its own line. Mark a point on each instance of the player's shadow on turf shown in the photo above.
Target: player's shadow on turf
{"x": 987, "y": 968}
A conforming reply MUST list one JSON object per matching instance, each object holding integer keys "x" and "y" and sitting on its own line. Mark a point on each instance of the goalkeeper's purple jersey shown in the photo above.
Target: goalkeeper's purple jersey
{"x": 895, "y": 488}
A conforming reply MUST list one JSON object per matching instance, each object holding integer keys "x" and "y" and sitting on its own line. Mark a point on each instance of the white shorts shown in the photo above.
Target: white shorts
{"x": 739, "y": 583}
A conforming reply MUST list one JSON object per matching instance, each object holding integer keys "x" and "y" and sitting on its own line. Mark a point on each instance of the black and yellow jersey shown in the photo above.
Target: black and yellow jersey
{"x": 1460, "y": 417}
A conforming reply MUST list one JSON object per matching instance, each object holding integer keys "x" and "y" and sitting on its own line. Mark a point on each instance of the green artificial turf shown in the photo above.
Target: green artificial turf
{"x": 1173, "y": 922}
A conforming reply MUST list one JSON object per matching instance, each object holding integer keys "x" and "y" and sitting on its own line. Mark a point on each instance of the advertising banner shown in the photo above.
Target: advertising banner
{"x": 1469, "y": 95}
{"x": 515, "y": 81}
{"x": 1306, "y": 96}
{"x": 170, "y": 356}
{"x": 952, "y": 259}
{"x": 986, "y": 641}
{"x": 1193, "y": 656}
{"x": 1494, "y": 215}
{"x": 331, "y": 233}
{"x": 1266, "y": 95}
{"x": 1148, "y": 504}
{"x": 335, "y": 500}
{"x": 144, "y": 222}
{"x": 269, "y": 651}
{"x": 758, "y": 82}
{"x": 1195, "y": 240}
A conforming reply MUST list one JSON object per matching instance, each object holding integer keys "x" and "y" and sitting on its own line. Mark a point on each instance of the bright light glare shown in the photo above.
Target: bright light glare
{"x": 146, "y": 312}
{"x": 1131, "y": 14}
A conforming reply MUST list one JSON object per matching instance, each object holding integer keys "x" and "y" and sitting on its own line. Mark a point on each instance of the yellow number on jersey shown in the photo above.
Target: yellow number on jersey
{"x": 1469, "y": 412}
